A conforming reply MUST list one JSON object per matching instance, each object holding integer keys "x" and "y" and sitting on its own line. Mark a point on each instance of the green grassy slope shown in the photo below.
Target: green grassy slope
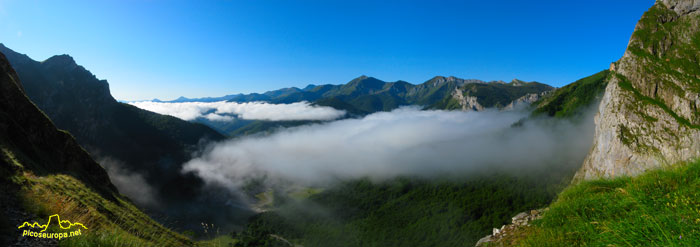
{"x": 115, "y": 222}
{"x": 658, "y": 208}
{"x": 571, "y": 99}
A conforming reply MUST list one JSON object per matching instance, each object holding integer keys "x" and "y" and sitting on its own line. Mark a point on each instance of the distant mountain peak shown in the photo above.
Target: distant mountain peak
{"x": 308, "y": 87}
{"x": 517, "y": 82}
{"x": 65, "y": 58}
{"x": 363, "y": 79}
{"x": 448, "y": 78}
{"x": 438, "y": 78}
{"x": 62, "y": 62}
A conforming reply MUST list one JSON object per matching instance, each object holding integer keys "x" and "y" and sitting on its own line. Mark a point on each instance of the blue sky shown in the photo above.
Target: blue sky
{"x": 165, "y": 49}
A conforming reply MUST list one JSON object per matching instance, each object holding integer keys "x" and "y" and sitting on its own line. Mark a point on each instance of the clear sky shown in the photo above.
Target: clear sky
{"x": 165, "y": 49}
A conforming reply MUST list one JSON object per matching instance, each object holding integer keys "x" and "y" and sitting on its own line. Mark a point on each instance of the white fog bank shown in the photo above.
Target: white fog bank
{"x": 406, "y": 141}
{"x": 227, "y": 111}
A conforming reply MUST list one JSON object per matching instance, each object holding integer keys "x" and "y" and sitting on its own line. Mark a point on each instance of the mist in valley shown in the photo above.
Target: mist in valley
{"x": 408, "y": 142}
{"x": 227, "y": 111}
{"x": 405, "y": 142}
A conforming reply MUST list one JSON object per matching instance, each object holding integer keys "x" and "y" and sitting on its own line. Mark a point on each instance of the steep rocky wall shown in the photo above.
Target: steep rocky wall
{"x": 649, "y": 115}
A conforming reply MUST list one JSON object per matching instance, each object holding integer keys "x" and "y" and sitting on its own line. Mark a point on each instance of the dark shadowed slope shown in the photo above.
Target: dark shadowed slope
{"x": 81, "y": 104}
{"x": 43, "y": 171}
{"x": 129, "y": 142}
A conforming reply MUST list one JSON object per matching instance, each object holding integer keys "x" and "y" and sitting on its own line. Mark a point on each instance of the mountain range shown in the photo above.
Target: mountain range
{"x": 365, "y": 95}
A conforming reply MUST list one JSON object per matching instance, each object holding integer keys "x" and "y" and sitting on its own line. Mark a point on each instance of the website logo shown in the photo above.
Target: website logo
{"x": 37, "y": 230}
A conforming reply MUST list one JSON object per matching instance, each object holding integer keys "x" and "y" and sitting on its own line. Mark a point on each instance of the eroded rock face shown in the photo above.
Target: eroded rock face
{"x": 649, "y": 116}
{"x": 682, "y": 6}
{"x": 471, "y": 103}
{"x": 468, "y": 103}
{"x": 500, "y": 236}
{"x": 526, "y": 100}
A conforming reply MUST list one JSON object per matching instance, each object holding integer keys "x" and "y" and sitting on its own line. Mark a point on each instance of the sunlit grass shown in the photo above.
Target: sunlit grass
{"x": 110, "y": 223}
{"x": 658, "y": 208}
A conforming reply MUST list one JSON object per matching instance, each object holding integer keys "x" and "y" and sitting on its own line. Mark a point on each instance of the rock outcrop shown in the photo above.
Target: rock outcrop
{"x": 682, "y": 7}
{"x": 499, "y": 236}
{"x": 468, "y": 103}
{"x": 497, "y": 94}
{"x": 648, "y": 116}
{"x": 526, "y": 100}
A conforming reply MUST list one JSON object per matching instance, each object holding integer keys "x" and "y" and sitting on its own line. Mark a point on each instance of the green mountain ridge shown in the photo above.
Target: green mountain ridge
{"x": 366, "y": 95}
{"x": 369, "y": 95}
{"x": 570, "y": 100}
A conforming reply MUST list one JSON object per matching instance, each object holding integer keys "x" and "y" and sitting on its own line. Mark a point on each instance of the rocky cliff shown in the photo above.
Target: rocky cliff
{"x": 495, "y": 94}
{"x": 648, "y": 116}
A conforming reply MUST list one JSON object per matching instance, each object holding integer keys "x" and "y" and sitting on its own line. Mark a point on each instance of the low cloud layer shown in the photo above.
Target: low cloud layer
{"x": 227, "y": 111}
{"x": 404, "y": 142}
{"x": 131, "y": 184}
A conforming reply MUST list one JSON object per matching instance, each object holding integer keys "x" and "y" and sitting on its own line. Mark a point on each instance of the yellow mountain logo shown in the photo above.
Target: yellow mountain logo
{"x": 63, "y": 224}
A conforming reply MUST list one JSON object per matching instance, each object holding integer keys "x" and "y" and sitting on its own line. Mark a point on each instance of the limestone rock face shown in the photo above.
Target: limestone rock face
{"x": 468, "y": 103}
{"x": 649, "y": 114}
{"x": 502, "y": 96}
{"x": 682, "y": 6}
{"x": 526, "y": 100}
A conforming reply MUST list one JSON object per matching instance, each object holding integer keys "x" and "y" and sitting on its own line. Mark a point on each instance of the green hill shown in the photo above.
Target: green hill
{"x": 572, "y": 99}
